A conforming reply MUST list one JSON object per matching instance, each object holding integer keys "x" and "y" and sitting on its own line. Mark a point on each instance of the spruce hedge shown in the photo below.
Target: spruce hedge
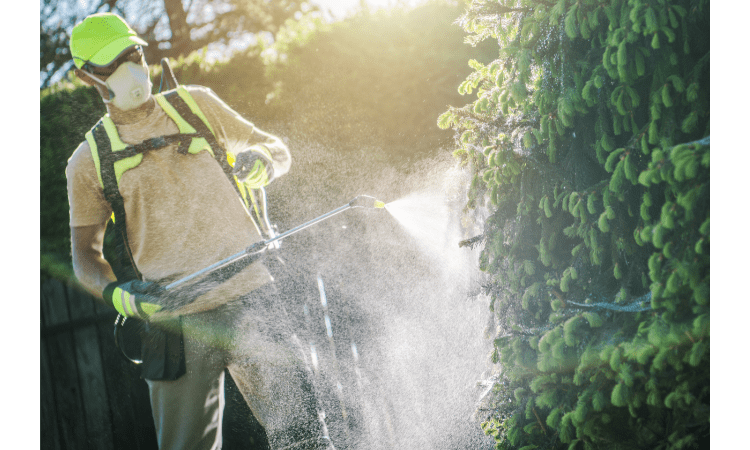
{"x": 589, "y": 142}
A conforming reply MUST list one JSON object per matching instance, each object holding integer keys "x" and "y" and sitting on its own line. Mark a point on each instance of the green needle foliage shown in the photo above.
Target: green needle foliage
{"x": 589, "y": 142}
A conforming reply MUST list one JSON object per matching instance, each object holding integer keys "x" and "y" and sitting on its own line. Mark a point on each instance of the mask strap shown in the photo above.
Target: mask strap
{"x": 111, "y": 93}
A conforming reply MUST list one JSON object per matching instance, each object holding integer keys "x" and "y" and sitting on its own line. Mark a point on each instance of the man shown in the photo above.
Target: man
{"x": 168, "y": 167}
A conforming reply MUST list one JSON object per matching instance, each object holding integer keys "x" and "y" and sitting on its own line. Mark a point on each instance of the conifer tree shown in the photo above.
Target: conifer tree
{"x": 589, "y": 141}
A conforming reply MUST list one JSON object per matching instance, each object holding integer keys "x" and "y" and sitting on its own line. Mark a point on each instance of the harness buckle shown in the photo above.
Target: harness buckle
{"x": 184, "y": 145}
{"x": 157, "y": 142}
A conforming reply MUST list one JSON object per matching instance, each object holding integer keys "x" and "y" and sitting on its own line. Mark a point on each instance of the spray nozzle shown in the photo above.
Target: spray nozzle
{"x": 365, "y": 201}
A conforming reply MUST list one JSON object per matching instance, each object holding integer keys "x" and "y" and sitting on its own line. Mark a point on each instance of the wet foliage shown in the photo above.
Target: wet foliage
{"x": 589, "y": 142}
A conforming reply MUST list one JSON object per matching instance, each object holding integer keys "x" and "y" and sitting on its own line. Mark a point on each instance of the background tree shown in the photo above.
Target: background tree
{"x": 172, "y": 28}
{"x": 372, "y": 80}
{"x": 589, "y": 143}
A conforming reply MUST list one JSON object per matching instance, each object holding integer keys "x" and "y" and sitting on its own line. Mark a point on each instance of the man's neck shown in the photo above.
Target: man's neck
{"x": 132, "y": 115}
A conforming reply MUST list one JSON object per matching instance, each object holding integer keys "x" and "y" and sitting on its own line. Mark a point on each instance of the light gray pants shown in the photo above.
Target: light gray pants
{"x": 250, "y": 339}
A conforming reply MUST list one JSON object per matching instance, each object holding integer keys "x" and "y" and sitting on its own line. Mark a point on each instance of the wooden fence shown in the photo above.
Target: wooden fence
{"x": 91, "y": 397}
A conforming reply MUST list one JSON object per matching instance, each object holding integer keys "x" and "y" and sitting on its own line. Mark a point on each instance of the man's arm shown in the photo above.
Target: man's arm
{"x": 280, "y": 155}
{"x": 92, "y": 270}
{"x": 237, "y": 133}
{"x": 256, "y": 166}
{"x": 132, "y": 298}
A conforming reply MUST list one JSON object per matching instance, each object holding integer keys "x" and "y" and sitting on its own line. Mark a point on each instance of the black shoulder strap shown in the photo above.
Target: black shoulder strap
{"x": 202, "y": 129}
{"x": 107, "y": 158}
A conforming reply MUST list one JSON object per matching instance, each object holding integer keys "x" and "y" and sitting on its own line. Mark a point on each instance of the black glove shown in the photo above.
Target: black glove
{"x": 254, "y": 166}
{"x": 135, "y": 298}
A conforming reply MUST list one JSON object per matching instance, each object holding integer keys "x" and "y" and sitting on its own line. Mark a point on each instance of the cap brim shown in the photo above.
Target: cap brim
{"x": 111, "y": 51}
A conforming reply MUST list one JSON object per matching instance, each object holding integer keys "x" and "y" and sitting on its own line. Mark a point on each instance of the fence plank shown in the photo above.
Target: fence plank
{"x": 48, "y": 427}
{"x": 53, "y": 303}
{"x": 91, "y": 372}
{"x": 132, "y": 423}
{"x": 61, "y": 351}
{"x": 80, "y": 303}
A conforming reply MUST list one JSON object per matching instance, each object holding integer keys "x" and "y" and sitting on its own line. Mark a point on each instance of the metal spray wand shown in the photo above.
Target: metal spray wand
{"x": 362, "y": 201}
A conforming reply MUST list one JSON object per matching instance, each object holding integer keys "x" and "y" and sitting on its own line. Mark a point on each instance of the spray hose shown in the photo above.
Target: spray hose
{"x": 255, "y": 250}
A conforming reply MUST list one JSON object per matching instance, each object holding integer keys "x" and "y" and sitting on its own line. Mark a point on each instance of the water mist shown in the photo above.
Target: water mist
{"x": 391, "y": 316}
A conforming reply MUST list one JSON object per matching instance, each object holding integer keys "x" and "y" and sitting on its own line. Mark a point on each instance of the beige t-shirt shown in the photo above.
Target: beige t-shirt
{"x": 182, "y": 212}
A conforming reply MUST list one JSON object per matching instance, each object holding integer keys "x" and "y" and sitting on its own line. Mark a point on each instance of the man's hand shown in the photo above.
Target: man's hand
{"x": 254, "y": 167}
{"x": 135, "y": 298}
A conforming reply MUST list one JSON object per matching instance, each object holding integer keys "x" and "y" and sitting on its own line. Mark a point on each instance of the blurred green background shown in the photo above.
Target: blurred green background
{"x": 369, "y": 87}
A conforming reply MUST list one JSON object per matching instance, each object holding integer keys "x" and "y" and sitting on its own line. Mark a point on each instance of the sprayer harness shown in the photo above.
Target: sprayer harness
{"x": 113, "y": 157}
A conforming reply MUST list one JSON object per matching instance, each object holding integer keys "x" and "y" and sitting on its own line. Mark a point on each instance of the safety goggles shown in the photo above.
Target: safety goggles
{"x": 134, "y": 54}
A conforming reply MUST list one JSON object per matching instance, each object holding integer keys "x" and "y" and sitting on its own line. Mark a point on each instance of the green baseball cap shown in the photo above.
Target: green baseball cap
{"x": 100, "y": 38}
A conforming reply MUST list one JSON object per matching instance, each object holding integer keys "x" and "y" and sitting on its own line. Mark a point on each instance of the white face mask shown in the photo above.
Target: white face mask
{"x": 129, "y": 86}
